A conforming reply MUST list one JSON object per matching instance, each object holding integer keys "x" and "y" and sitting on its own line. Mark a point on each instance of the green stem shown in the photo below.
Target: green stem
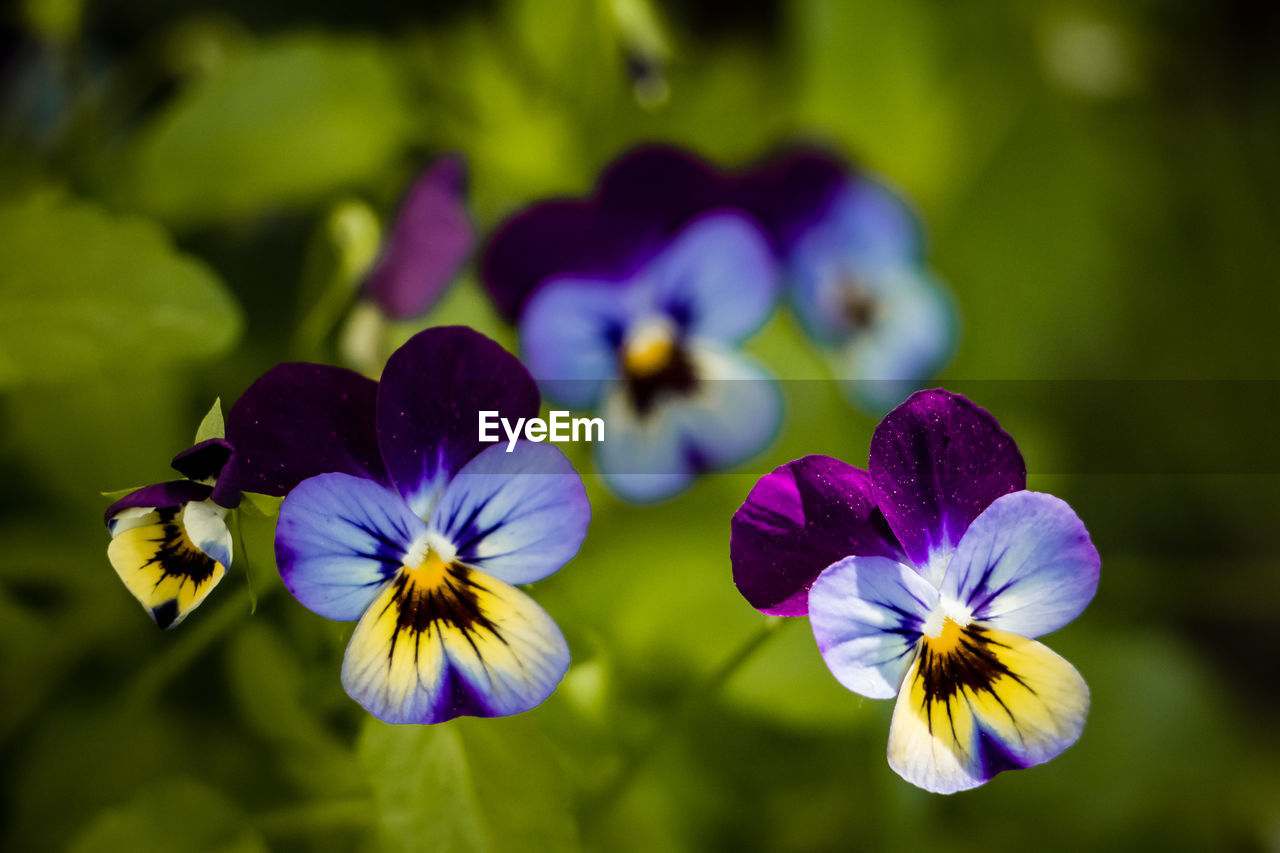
{"x": 680, "y": 716}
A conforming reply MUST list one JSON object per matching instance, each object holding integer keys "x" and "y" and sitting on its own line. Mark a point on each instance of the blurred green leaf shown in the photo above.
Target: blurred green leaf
{"x": 212, "y": 426}
{"x": 467, "y": 785}
{"x": 177, "y": 814}
{"x": 281, "y": 124}
{"x": 122, "y": 298}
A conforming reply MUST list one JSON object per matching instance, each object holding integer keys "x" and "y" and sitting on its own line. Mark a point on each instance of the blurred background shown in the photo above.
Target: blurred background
{"x": 1100, "y": 186}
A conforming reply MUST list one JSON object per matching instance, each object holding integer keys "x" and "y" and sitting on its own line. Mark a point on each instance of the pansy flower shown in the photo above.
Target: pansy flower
{"x": 633, "y": 303}
{"x": 852, "y": 251}
{"x": 928, "y": 577}
{"x": 414, "y": 529}
{"x": 169, "y": 541}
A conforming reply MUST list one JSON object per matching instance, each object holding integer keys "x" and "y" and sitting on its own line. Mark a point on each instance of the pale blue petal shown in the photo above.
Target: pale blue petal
{"x": 1025, "y": 565}
{"x": 570, "y": 333}
{"x": 912, "y": 337}
{"x": 717, "y": 280}
{"x": 867, "y": 615}
{"x": 339, "y": 538}
{"x": 734, "y": 412}
{"x": 518, "y": 516}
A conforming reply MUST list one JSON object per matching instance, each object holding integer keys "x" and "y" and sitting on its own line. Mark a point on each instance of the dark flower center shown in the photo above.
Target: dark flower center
{"x": 858, "y": 304}
{"x": 960, "y": 658}
{"x": 655, "y": 364}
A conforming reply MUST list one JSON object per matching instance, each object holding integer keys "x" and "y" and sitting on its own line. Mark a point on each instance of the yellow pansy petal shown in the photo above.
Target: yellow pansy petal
{"x": 162, "y": 567}
{"x": 442, "y": 641}
{"x": 978, "y": 701}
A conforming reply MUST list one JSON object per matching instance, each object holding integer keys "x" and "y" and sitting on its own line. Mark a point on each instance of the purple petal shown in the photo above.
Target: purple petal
{"x": 299, "y": 420}
{"x": 653, "y": 190}
{"x": 867, "y": 615}
{"x": 797, "y": 521}
{"x": 554, "y": 238}
{"x": 792, "y": 191}
{"x": 209, "y": 459}
{"x": 430, "y": 240}
{"x": 937, "y": 461}
{"x": 1026, "y": 565}
{"x": 643, "y": 198}
{"x": 173, "y": 493}
{"x": 433, "y": 389}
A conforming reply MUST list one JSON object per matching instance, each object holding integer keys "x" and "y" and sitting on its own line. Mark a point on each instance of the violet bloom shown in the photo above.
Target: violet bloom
{"x": 416, "y": 530}
{"x": 927, "y": 577}
{"x": 853, "y": 255}
{"x": 428, "y": 243}
{"x": 169, "y": 541}
{"x": 633, "y": 303}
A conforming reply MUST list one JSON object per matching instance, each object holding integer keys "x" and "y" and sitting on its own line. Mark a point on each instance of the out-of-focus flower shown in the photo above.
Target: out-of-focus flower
{"x": 416, "y": 529}
{"x": 926, "y": 577}
{"x": 429, "y": 241}
{"x": 633, "y": 302}
{"x": 853, "y": 255}
{"x": 169, "y": 541}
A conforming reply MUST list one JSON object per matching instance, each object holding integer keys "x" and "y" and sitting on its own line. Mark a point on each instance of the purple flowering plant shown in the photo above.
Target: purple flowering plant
{"x": 928, "y": 577}
{"x": 398, "y": 518}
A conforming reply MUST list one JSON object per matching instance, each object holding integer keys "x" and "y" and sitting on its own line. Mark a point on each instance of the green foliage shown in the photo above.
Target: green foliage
{"x": 471, "y": 786}
{"x": 174, "y": 814}
{"x": 284, "y": 123}
{"x": 84, "y": 292}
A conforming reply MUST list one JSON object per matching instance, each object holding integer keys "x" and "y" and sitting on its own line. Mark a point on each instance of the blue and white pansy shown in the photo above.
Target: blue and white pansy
{"x": 853, "y": 255}
{"x": 928, "y": 577}
{"x": 633, "y": 303}
{"x": 420, "y": 534}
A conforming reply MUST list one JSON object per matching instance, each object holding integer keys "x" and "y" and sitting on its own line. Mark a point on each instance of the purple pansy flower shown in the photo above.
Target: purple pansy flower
{"x": 633, "y": 303}
{"x": 927, "y": 577}
{"x": 853, "y": 255}
{"x": 169, "y": 541}
{"x": 428, "y": 243}
{"x": 404, "y": 522}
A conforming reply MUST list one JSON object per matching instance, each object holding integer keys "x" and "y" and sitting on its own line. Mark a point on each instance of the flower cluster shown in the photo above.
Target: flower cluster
{"x": 634, "y": 301}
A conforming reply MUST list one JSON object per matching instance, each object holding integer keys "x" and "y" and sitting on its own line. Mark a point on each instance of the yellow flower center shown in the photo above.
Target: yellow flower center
{"x": 428, "y": 571}
{"x": 945, "y": 638}
{"x": 649, "y": 348}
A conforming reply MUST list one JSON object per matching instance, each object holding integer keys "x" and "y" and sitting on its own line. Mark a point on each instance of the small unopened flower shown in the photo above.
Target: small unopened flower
{"x": 169, "y": 542}
{"x": 853, "y": 255}
{"x": 927, "y": 577}
{"x": 633, "y": 303}
{"x": 420, "y": 533}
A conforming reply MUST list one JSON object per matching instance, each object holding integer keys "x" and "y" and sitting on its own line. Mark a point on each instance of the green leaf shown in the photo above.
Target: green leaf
{"x": 260, "y": 506}
{"x": 124, "y": 298}
{"x": 213, "y": 425}
{"x": 177, "y": 814}
{"x": 284, "y": 123}
{"x": 117, "y": 494}
{"x": 469, "y": 785}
